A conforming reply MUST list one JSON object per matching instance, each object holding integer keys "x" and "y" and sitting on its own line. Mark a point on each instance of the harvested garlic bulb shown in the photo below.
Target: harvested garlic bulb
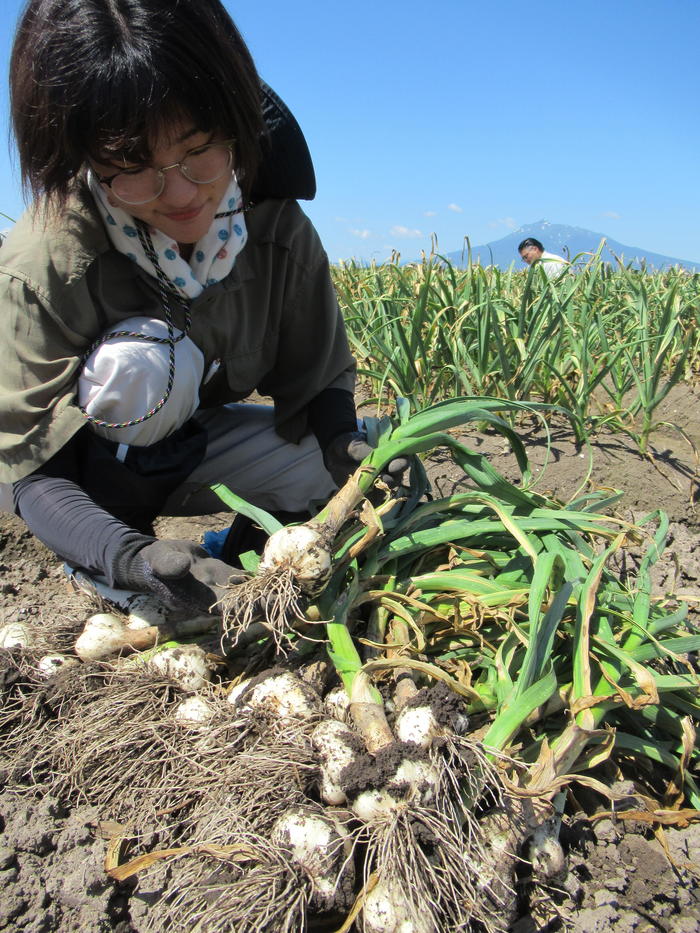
{"x": 337, "y": 747}
{"x": 336, "y": 703}
{"x": 15, "y": 635}
{"x": 50, "y": 664}
{"x": 387, "y": 910}
{"x": 419, "y": 777}
{"x": 284, "y": 696}
{"x": 194, "y": 711}
{"x": 321, "y": 845}
{"x": 104, "y": 635}
{"x": 303, "y": 550}
{"x": 186, "y": 664}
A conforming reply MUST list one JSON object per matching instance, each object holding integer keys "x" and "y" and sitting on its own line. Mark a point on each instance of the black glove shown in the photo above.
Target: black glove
{"x": 181, "y": 574}
{"x": 347, "y": 451}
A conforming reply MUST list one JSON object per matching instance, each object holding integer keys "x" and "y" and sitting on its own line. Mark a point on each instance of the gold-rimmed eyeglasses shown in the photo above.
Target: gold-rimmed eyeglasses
{"x": 201, "y": 166}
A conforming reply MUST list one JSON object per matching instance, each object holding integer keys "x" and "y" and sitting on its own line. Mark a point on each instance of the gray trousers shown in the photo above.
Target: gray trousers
{"x": 245, "y": 453}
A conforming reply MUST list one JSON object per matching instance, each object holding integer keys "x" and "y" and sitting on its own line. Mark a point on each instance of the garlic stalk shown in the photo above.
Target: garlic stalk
{"x": 368, "y": 714}
{"x": 105, "y": 635}
{"x": 288, "y": 572}
{"x": 297, "y": 561}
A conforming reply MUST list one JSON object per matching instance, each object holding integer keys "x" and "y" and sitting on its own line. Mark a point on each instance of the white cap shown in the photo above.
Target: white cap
{"x": 125, "y": 377}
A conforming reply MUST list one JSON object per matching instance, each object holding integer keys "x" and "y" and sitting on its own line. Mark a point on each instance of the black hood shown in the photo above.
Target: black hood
{"x": 286, "y": 169}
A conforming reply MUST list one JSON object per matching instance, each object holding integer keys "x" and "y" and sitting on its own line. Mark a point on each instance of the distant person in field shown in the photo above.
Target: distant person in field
{"x": 531, "y": 250}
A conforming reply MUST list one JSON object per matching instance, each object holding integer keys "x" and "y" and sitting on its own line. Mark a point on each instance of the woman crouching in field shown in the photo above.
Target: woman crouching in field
{"x": 164, "y": 272}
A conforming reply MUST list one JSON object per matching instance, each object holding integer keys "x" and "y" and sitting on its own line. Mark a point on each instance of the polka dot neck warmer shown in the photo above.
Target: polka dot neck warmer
{"x": 212, "y": 257}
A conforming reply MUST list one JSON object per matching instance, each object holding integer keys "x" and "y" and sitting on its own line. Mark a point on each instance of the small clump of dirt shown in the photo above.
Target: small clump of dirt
{"x": 446, "y": 706}
{"x": 377, "y": 771}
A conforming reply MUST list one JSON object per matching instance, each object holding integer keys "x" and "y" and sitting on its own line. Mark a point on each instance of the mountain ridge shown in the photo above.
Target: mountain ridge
{"x": 567, "y": 241}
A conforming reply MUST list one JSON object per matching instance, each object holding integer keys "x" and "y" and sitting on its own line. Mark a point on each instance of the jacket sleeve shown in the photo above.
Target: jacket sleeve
{"x": 314, "y": 353}
{"x": 39, "y": 361}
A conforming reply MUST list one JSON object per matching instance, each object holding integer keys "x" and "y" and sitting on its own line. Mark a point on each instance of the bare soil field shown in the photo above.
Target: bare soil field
{"x": 619, "y": 875}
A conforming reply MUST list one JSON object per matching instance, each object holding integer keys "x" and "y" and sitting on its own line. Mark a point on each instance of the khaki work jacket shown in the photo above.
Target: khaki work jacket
{"x": 273, "y": 323}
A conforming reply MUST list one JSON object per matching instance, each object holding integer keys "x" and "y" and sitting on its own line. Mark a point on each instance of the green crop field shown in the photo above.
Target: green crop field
{"x": 605, "y": 343}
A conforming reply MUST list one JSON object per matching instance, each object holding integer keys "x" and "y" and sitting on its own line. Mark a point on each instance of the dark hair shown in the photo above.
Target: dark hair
{"x": 530, "y": 241}
{"x": 95, "y": 75}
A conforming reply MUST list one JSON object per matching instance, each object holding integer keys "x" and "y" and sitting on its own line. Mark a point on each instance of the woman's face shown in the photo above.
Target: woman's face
{"x": 184, "y": 210}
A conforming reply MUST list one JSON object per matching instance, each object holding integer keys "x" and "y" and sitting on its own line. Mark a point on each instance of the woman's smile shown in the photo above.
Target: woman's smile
{"x": 184, "y": 216}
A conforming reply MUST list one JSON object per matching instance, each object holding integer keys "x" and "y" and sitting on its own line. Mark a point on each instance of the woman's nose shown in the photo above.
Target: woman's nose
{"x": 178, "y": 190}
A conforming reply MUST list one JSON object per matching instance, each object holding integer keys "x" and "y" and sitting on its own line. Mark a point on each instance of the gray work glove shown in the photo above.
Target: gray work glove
{"x": 347, "y": 451}
{"x": 182, "y": 575}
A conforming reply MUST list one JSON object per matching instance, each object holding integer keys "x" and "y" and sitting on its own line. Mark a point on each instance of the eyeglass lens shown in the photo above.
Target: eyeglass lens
{"x": 203, "y": 166}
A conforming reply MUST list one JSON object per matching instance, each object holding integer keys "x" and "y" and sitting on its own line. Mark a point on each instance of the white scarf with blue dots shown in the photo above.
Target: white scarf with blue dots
{"x": 212, "y": 257}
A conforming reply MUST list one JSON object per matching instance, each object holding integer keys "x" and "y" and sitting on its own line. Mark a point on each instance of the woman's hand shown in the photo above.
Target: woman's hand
{"x": 183, "y": 575}
{"x": 347, "y": 451}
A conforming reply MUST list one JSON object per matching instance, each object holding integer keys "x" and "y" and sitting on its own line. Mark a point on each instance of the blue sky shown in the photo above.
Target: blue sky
{"x": 461, "y": 119}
